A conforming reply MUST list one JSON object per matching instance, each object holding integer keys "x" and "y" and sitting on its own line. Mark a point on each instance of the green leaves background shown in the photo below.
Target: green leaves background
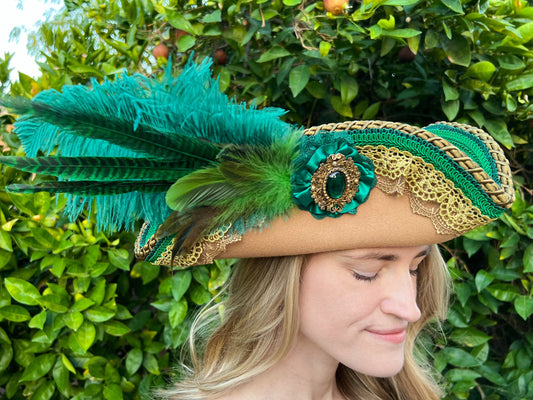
{"x": 79, "y": 318}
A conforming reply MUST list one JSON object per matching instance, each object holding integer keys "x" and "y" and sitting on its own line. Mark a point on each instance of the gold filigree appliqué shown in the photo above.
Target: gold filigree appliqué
{"x": 319, "y": 190}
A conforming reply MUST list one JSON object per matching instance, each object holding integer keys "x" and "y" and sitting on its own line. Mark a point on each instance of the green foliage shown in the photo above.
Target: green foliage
{"x": 79, "y": 317}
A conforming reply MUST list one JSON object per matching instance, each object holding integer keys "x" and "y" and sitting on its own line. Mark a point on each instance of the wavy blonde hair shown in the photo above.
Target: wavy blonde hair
{"x": 261, "y": 321}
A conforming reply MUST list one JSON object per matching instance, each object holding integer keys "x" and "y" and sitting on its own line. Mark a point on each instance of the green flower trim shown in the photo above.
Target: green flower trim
{"x": 322, "y": 158}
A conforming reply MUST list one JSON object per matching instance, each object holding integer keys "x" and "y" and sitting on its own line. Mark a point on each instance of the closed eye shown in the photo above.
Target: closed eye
{"x": 365, "y": 278}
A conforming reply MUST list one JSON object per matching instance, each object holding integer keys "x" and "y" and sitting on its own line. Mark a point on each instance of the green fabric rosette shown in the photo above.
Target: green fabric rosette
{"x": 314, "y": 151}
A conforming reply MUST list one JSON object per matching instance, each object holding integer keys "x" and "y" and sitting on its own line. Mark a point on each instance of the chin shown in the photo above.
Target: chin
{"x": 385, "y": 369}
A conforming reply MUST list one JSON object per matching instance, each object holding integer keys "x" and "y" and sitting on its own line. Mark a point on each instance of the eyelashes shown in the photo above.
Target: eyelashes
{"x": 366, "y": 278}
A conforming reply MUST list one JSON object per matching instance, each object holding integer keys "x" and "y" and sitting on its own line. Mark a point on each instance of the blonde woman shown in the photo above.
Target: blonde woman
{"x": 336, "y": 226}
{"x": 336, "y": 325}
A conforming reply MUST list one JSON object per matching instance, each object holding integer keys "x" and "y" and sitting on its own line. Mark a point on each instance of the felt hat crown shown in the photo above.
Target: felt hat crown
{"x": 214, "y": 178}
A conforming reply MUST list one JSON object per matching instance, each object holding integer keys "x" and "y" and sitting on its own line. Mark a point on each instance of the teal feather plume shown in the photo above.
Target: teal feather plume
{"x": 118, "y": 145}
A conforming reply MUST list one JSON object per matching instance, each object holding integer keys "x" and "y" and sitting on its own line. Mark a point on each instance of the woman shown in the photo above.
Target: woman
{"x": 321, "y": 311}
{"x": 336, "y": 225}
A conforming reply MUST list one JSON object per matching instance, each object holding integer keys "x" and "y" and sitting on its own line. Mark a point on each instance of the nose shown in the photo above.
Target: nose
{"x": 400, "y": 300}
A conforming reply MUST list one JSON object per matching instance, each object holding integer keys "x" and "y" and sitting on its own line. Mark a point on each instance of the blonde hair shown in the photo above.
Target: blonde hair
{"x": 261, "y": 321}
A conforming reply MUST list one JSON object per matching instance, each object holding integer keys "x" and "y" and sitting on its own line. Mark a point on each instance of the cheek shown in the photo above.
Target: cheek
{"x": 332, "y": 304}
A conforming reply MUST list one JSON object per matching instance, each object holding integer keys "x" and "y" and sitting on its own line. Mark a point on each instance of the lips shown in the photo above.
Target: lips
{"x": 396, "y": 336}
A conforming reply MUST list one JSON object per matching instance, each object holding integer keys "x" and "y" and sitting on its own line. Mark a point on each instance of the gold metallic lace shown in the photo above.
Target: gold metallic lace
{"x": 203, "y": 252}
{"x": 430, "y": 193}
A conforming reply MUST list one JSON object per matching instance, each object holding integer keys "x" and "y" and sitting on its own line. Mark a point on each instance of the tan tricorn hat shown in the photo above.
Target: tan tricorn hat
{"x": 214, "y": 178}
{"x": 431, "y": 184}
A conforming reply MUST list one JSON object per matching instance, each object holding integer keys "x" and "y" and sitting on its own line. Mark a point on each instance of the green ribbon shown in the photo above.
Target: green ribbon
{"x": 314, "y": 151}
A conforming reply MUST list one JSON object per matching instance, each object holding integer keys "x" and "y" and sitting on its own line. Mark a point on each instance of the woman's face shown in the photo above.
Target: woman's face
{"x": 355, "y": 306}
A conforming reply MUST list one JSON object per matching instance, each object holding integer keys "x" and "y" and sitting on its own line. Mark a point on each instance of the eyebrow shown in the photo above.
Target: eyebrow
{"x": 381, "y": 256}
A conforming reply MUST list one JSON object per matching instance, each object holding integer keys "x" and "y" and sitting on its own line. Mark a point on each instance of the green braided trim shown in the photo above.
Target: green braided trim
{"x": 160, "y": 247}
{"x": 431, "y": 154}
{"x": 469, "y": 144}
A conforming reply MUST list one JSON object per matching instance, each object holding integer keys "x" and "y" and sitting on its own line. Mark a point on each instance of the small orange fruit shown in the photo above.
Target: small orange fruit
{"x": 161, "y": 50}
{"x": 336, "y": 7}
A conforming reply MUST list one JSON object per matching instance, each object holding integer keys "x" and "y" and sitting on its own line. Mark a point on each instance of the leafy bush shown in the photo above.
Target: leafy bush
{"x": 79, "y": 318}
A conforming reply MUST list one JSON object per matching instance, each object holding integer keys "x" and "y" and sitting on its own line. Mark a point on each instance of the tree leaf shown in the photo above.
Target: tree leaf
{"x": 99, "y": 314}
{"x": 349, "y": 89}
{"x": 5, "y": 241}
{"x": 401, "y": 33}
{"x": 457, "y": 50}
{"x": 470, "y": 337}
{"x": 84, "y": 336}
{"x": 372, "y": 111}
{"x": 113, "y": 392}
{"x": 482, "y": 70}
{"x": 61, "y": 378}
{"x": 521, "y": 83}
{"x": 177, "y": 313}
{"x": 119, "y": 258}
{"x": 298, "y": 78}
{"x": 199, "y": 295}
{"x": 450, "y": 108}
{"x": 55, "y": 302}
{"x": 483, "y": 279}
{"x": 6, "y": 355}
{"x": 22, "y": 291}
{"x": 38, "y": 320}
{"x": 454, "y": 5}
{"x": 450, "y": 93}
{"x": 73, "y": 320}
{"x": 510, "y": 62}
{"x": 503, "y": 291}
{"x": 524, "y": 306}
{"x": 45, "y": 391}
{"x": 342, "y": 108}
{"x": 215, "y": 16}
{"x": 324, "y": 48}
{"x": 178, "y": 21}
{"x": 116, "y": 328}
{"x": 180, "y": 283}
{"x": 150, "y": 364}
{"x": 528, "y": 258}
{"x": 457, "y": 375}
{"x": 66, "y": 362}
{"x": 134, "y": 360}
{"x": 273, "y": 53}
{"x": 460, "y": 358}
{"x": 38, "y": 367}
{"x": 186, "y": 42}
{"x": 498, "y": 130}
{"x": 14, "y": 313}
{"x": 149, "y": 272}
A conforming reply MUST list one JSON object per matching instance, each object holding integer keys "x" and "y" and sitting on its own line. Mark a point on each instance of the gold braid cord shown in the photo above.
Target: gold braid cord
{"x": 430, "y": 193}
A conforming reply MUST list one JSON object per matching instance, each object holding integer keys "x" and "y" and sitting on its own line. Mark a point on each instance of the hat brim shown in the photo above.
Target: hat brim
{"x": 382, "y": 221}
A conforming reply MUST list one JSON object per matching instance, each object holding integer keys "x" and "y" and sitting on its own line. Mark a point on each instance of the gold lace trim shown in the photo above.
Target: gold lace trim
{"x": 203, "y": 252}
{"x": 430, "y": 193}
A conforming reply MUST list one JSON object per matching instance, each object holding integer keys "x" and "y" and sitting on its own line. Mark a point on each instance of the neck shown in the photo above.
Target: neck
{"x": 303, "y": 374}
